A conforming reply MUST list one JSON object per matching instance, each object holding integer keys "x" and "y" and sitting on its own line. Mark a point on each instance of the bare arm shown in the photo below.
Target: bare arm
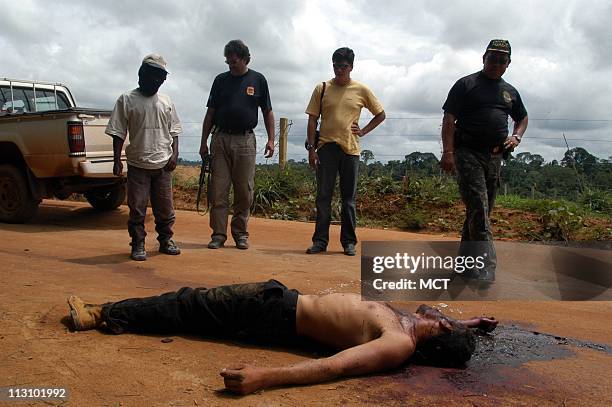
{"x": 376, "y": 120}
{"x": 206, "y": 127}
{"x": 117, "y": 148}
{"x": 384, "y": 353}
{"x": 171, "y": 165}
{"x": 487, "y": 324}
{"x": 448, "y": 142}
{"x": 313, "y": 158}
{"x": 269, "y": 122}
{"x": 517, "y": 133}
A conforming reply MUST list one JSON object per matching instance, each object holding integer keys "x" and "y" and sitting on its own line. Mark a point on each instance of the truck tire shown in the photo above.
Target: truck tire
{"x": 16, "y": 202}
{"x": 106, "y": 199}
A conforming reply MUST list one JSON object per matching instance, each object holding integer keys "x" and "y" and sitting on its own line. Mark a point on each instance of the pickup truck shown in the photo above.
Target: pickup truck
{"x": 51, "y": 148}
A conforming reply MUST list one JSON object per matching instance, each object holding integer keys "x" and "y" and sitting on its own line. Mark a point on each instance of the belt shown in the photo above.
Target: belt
{"x": 232, "y": 131}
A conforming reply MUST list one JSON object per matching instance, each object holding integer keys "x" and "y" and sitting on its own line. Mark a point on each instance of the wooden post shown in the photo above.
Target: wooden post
{"x": 505, "y": 188}
{"x": 282, "y": 143}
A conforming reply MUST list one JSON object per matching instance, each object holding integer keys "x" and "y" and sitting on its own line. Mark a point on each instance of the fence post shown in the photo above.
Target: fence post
{"x": 282, "y": 143}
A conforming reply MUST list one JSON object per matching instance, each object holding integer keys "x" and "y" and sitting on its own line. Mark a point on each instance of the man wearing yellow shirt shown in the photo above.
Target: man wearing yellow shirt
{"x": 339, "y": 102}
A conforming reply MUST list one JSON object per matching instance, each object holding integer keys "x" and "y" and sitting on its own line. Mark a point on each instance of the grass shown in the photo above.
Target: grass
{"x": 427, "y": 204}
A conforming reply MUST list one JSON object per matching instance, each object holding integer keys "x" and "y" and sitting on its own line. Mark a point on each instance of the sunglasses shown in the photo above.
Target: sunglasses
{"x": 500, "y": 59}
{"x": 341, "y": 66}
{"x": 230, "y": 61}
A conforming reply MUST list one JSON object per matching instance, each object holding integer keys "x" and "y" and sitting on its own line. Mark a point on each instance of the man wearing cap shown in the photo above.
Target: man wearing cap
{"x": 153, "y": 126}
{"x": 474, "y": 138}
{"x": 234, "y": 100}
{"x": 339, "y": 102}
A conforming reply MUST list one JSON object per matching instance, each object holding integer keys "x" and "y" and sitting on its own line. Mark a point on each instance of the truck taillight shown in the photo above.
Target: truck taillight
{"x": 76, "y": 139}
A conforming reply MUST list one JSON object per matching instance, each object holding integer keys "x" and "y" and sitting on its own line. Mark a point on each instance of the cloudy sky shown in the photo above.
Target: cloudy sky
{"x": 409, "y": 52}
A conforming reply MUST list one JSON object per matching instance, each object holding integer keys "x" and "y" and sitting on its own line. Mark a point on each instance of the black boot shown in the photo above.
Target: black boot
{"x": 138, "y": 251}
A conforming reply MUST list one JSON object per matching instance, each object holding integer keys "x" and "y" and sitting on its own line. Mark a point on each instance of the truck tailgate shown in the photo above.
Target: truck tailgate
{"x": 98, "y": 147}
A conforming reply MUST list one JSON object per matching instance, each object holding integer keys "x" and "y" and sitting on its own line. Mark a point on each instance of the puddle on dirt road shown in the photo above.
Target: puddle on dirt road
{"x": 494, "y": 371}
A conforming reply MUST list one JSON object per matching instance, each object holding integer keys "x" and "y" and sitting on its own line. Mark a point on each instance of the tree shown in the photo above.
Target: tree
{"x": 425, "y": 163}
{"x": 533, "y": 161}
{"x": 367, "y": 155}
{"x": 584, "y": 161}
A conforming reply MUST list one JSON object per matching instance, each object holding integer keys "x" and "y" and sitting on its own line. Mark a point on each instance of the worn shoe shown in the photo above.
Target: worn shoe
{"x": 242, "y": 243}
{"x": 138, "y": 251}
{"x": 216, "y": 244}
{"x": 169, "y": 247}
{"x": 487, "y": 275}
{"x": 84, "y": 316}
{"x": 316, "y": 248}
{"x": 349, "y": 249}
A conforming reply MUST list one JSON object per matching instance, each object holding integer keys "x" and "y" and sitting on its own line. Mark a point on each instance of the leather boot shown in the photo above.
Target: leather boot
{"x": 138, "y": 251}
{"x": 84, "y": 316}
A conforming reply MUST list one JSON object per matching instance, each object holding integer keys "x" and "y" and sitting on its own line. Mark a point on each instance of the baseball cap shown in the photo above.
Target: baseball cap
{"x": 156, "y": 61}
{"x": 499, "y": 46}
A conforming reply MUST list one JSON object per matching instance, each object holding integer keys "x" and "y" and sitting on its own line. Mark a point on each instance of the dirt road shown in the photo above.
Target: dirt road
{"x": 70, "y": 249}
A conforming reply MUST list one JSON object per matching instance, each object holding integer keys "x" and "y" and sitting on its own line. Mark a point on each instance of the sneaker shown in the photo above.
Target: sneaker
{"x": 138, "y": 251}
{"x": 349, "y": 249}
{"x": 169, "y": 247}
{"x": 216, "y": 244}
{"x": 316, "y": 248}
{"x": 242, "y": 243}
{"x": 84, "y": 316}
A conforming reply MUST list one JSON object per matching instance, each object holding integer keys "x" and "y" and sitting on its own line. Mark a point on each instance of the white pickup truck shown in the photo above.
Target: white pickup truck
{"x": 51, "y": 148}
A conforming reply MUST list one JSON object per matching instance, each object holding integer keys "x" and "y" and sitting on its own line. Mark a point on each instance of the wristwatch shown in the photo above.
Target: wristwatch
{"x": 517, "y": 137}
{"x": 308, "y": 146}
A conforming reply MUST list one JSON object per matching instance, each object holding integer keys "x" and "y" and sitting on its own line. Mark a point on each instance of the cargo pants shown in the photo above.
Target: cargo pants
{"x": 233, "y": 164}
{"x": 478, "y": 179}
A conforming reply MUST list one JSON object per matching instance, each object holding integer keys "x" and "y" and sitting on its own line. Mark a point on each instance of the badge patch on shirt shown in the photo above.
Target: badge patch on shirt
{"x": 250, "y": 90}
{"x": 507, "y": 97}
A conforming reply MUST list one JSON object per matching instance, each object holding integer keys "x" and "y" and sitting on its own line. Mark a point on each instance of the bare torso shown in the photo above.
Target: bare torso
{"x": 344, "y": 320}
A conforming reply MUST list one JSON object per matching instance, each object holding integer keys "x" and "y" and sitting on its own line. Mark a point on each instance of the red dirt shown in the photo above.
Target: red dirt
{"x": 70, "y": 249}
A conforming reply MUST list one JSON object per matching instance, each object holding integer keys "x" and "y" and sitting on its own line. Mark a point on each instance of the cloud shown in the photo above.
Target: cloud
{"x": 409, "y": 53}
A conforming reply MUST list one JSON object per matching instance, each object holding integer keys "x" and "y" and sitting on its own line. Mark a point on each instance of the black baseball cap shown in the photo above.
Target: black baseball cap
{"x": 499, "y": 46}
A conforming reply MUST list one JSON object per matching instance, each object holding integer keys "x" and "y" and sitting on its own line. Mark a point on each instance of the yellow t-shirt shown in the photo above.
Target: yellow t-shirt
{"x": 342, "y": 107}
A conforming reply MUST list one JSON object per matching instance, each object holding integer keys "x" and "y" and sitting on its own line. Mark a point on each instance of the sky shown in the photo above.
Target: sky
{"x": 409, "y": 53}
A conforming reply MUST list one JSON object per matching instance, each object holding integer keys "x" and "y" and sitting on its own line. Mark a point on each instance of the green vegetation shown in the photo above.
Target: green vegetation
{"x": 566, "y": 200}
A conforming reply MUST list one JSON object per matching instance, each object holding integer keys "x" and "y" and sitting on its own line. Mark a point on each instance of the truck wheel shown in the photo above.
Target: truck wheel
{"x": 16, "y": 202}
{"x": 106, "y": 199}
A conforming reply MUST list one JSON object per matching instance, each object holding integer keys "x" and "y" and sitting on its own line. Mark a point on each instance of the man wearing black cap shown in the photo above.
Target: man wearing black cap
{"x": 153, "y": 126}
{"x": 232, "y": 110}
{"x": 474, "y": 138}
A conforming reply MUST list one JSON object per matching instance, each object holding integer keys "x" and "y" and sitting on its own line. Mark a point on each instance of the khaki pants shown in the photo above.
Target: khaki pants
{"x": 233, "y": 163}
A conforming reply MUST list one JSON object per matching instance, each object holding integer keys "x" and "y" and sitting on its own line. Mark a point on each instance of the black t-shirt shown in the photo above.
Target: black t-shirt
{"x": 482, "y": 106}
{"x": 237, "y": 98}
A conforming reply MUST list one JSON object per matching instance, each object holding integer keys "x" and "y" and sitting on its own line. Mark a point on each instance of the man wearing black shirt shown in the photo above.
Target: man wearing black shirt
{"x": 232, "y": 106}
{"x": 474, "y": 138}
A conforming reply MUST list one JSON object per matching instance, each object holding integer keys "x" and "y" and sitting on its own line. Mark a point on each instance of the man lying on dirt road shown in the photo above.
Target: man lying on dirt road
{"x": 370, "y": 336}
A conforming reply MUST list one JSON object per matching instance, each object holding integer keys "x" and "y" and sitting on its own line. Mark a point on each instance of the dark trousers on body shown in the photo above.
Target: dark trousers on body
{"x": 333, "y": 161}
{"x": 263, "y": 311}
{"x": 143, "y": 184}
{"x": 478, "y": 178}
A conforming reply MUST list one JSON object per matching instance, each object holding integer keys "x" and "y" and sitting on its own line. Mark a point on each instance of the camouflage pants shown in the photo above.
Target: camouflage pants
{"x": 478, "y": 179}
